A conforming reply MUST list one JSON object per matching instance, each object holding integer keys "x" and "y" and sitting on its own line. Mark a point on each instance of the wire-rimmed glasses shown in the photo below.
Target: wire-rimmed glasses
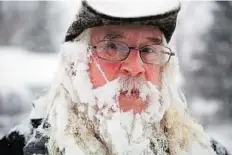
{"x": 118, "y": 51}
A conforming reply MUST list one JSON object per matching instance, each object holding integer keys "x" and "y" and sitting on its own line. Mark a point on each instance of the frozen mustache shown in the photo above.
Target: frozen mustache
{"x": 107, "y": 93}
{"x": 138, "y": 85}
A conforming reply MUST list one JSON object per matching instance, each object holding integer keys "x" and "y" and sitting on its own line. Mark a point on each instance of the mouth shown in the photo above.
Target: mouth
{"x": 133, "y": 93}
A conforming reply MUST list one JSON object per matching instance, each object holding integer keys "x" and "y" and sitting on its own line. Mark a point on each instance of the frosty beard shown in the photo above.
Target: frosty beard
{"x": 128, "y": 132}
{"x": 122, "y": 132}
{"x": 94, "y": 119}
{"x": 78, "y": 127}
{"x": 119, "y": 132}
{"x": 86, "y": 121}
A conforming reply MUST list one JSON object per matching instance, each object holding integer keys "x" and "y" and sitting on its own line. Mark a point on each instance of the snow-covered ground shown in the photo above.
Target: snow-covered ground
{"x": 21, "y": 72}
{"x": 22, "y": 67}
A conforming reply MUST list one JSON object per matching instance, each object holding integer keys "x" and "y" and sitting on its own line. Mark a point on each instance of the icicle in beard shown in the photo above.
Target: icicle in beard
{"x": 127, "y": 132}
{"x": 80, "y": 130}
{"x": 106, "y": 121}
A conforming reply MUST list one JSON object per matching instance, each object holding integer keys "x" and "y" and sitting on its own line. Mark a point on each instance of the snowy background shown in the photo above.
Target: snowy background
{"x": 31, "y": 33}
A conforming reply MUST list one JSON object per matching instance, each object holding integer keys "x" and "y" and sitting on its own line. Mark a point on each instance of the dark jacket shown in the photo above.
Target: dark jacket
{"x": 14, "y": 143}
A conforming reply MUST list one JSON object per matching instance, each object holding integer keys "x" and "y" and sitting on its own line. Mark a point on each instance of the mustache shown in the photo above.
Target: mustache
{"x": 133, "y": 84}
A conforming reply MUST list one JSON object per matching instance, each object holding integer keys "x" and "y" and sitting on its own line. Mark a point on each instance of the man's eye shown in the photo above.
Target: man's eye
{"x": 147, "y": 50}
{"x": 111, "y": 45}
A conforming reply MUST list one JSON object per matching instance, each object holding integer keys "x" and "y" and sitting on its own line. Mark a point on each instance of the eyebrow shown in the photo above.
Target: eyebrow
{"x": 113, "y": 36}
{"x": 157, "y": 41}
{"x": 109, "y": 36}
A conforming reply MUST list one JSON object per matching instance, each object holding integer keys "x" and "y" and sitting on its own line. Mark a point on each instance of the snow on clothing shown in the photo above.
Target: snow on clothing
{"x": 27, "y": 139}
{"x": 16, "y": 144}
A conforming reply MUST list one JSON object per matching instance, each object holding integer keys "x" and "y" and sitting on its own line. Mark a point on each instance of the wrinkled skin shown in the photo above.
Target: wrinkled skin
{"x": 133, "y": 36}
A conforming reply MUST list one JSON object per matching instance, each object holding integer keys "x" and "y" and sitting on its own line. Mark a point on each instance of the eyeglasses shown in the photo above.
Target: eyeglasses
{"x": 118, "y": 51}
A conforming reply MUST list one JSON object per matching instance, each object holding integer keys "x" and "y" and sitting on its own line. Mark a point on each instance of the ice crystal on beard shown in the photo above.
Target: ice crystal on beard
{"x": 100, "y": 70}
{"x": 135, "y": 85}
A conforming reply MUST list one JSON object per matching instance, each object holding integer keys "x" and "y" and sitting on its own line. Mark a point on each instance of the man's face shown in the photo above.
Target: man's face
{"x": 132, "y": 66}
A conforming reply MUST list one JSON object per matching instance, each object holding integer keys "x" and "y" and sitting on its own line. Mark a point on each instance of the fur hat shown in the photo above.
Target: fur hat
{"x": 162, "y": 14}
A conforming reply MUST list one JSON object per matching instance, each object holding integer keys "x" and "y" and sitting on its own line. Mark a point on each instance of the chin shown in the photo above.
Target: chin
{"x": 131, "y": 103}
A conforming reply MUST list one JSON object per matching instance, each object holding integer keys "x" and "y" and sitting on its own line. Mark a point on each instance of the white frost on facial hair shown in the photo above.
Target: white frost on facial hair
{"x": 106, "y": 94}
{"x": 126, "y": 132}
{"x": 123, "y": 131}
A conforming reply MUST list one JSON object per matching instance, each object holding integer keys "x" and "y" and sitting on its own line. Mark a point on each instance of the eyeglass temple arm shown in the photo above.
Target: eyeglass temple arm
{"x": 169, "y": 53}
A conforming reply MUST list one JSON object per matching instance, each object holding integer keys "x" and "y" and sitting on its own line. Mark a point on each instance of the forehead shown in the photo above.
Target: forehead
{"x": 137, "y": 31}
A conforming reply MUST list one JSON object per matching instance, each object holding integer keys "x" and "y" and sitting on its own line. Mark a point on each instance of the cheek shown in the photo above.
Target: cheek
{"x": 108, "y": 69}
{"x": 153, "y": 74}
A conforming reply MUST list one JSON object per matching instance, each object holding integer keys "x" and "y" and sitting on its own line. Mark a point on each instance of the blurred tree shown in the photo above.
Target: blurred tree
{"x": 213, "y": 80}
{"x": 26, "y": 24}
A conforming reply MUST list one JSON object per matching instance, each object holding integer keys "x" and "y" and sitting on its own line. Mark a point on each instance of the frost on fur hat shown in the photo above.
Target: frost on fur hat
{"x": 92, "y": 13}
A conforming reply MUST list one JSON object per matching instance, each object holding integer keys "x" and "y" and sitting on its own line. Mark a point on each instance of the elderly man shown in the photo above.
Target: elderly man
{"x": 115, "y": 91}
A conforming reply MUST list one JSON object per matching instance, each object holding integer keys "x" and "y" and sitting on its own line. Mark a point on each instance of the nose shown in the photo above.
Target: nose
{"x": 133, "y": 65}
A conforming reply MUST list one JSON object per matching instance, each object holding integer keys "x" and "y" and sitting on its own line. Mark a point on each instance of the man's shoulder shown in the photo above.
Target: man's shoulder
{"x": 12, "y": 144}
{"x": 16, "y": 143}
{"x": 219, "y": 148}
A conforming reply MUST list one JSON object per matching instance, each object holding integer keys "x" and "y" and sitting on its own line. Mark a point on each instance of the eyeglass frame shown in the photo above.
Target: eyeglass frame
{"x": 136, "y": 48}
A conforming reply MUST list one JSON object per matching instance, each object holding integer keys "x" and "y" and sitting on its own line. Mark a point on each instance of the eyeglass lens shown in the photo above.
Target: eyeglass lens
{"x": 117, "y": 51}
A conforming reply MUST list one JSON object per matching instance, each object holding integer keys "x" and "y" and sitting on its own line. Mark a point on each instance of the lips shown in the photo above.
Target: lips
{"x": 133, "y": 93}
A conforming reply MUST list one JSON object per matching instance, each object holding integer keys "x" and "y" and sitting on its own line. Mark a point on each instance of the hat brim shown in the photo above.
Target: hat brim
{"x": 89, "y": 17}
